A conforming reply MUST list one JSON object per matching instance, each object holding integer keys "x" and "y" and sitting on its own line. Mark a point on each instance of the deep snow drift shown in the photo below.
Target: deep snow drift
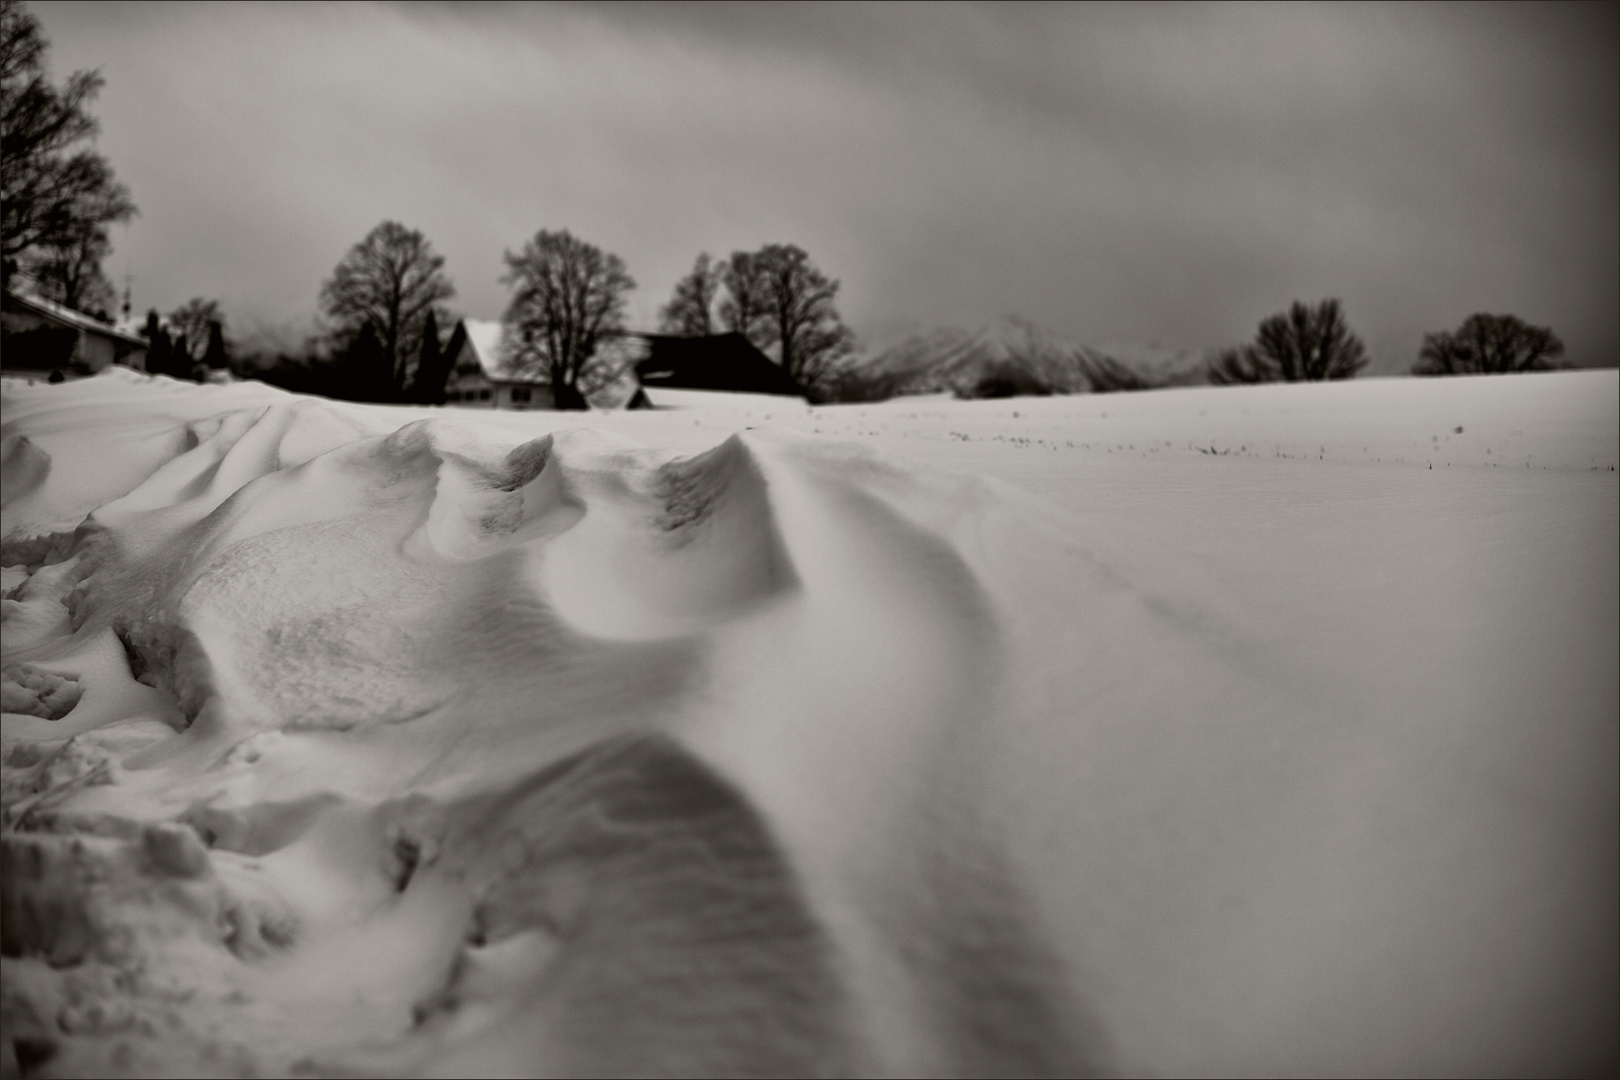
{"x": 1241, "y": 730}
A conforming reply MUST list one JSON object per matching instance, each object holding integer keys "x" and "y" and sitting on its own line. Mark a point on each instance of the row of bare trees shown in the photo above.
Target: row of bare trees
{"x": 568, "y": 307}
{"x": 384, "y": 304}
{"x": 189, "y": 342}
{"x": 1313, "y": 342}
{"x": 385, "y": 301}
{"x": 775, "y": 297}
{"x": 568, "y": 299}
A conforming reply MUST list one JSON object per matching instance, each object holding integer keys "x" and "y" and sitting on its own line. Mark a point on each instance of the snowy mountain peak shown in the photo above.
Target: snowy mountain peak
{"x": 1013, "y": 354}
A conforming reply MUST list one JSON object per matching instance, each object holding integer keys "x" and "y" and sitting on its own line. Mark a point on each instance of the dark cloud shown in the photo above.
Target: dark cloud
{"x": 1115, "y": 172}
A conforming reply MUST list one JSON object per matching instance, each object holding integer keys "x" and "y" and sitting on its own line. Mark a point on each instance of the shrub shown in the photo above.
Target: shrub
{"x": 1303, "y": 344}
{"x": 1489, "y": 345}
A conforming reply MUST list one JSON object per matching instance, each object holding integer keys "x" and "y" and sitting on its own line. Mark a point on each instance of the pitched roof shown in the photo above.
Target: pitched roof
{"x": 68, "y": 317}
{"x": 488, "y": 348}
{"x": 713, "y": 362}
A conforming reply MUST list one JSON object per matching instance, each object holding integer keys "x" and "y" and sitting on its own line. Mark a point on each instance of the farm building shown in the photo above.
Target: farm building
{"x": 41, "y": 335}
{"x": 713, "y": 362}
{"x": 479, "y": 377}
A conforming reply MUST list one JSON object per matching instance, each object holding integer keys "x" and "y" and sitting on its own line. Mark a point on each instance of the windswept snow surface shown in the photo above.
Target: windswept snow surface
{"x": 1229, "y": 730}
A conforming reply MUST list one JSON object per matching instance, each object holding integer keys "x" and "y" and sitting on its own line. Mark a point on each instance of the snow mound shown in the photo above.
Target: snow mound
{"x": 538, "y": 685}
{"x": 368, "y": 741}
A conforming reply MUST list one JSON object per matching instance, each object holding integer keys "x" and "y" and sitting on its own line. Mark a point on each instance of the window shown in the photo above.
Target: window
{"x": 483, "y": 395}
{"x": 520, "y": 395}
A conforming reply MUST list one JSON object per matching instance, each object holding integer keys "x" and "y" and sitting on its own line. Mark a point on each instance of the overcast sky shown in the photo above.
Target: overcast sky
{"x": 1136, "y": 173}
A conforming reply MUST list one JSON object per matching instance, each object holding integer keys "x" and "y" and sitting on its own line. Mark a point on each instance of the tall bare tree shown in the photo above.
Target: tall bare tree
{"x": 389, "y": 281}
{"x": 1489, "y": 345}
{"x": 52, "y": 196}
{"x": 691, "y": 310}
{"x": 1303, "y": 344}
{"x": 567, "y": 299}
{"x": 189, "y": 327}
{"x": 742, "y": 311}
{"x": 69, "y": 270}
{"x": 800, "y": 320}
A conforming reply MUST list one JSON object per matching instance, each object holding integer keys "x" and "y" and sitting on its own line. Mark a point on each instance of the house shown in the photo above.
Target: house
{"x": 42, "y": 335}
{"x": 712, "y": 362}
{"x": 479, "y": 376}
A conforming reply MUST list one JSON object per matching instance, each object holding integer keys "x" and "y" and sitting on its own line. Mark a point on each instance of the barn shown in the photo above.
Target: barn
{"x": 481, "y": 377}
{"x": 712, "y": 362}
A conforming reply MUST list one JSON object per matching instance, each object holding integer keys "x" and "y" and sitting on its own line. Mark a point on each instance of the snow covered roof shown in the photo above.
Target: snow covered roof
{"x": 68, "y": 317}
{"x": 483, "y": 337}
{"x": 720, "y": 362}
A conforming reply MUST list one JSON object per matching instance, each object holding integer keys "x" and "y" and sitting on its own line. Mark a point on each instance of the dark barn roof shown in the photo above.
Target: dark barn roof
{"x": 715, "y": 362}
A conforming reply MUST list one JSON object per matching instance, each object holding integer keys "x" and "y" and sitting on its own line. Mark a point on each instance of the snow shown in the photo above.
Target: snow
{"x": 1202, "y": 731}
{"x": 487, "y": 340}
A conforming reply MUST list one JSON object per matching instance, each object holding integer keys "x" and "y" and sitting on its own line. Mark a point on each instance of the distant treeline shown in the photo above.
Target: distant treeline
{"x": 382, "y": 313}
{"x": 1306, "y": 343}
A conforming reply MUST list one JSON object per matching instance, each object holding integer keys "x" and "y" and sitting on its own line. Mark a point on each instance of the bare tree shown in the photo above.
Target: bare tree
{"x": 69, "y": 271}
{"x": 189, "y": 328}
{"x": 611, "y": 362}
{"x": 1489, "y": 345}
{"x": 799, "y": 319}
{"x": 567, "y": 299}
{"x": 742, "y": 311}
{"x": 51, "y": 195}
{"x": 389, "y": 281}
{"x": 690, "y": 310}
{"x": 1303, "y": 344}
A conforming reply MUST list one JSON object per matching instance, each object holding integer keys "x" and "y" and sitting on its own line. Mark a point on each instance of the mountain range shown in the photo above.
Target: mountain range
{"x": 1013, "y": 356}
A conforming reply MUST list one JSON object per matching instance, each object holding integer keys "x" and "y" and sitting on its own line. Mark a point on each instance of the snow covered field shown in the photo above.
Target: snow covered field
{"x": 1261, "y": 730}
